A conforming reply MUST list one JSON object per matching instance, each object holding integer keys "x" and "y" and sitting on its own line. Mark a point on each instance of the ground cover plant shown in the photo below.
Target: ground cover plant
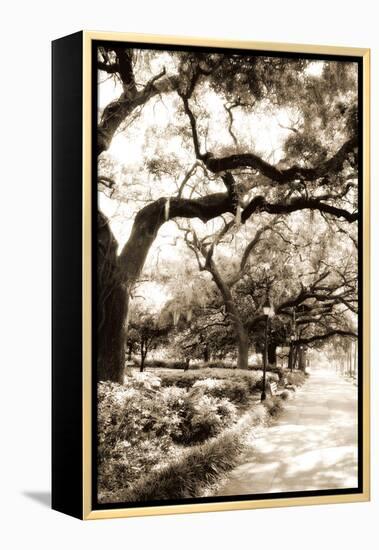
{"x": 156, "y": 425}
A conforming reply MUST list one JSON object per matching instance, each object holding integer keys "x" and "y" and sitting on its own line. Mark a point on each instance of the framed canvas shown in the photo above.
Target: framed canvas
{"x": 210, "y": 275}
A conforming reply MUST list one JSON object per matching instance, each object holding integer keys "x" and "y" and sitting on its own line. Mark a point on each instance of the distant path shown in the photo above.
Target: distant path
{"x": 313, "y": 445}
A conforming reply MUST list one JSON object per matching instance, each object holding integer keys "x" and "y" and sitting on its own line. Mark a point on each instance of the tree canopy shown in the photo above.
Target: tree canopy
{"x": 225, "y": 179}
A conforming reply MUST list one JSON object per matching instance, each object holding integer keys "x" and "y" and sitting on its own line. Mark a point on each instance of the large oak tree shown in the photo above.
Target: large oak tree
{"x": 317, "y": 173}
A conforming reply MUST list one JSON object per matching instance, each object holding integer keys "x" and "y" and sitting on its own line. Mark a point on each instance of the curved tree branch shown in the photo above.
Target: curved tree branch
{"x": 281, "y": 176}
{"x": 148, "y": 220}
{"x": 251, "y": 160}
{"x": 325, "y": 336}
{"x": 115, "y": 112}
{"x": 299, "y": 203}
{"x": 110, "y": 68}
{"x": 192, "y": 119}
{"x": 228, "y": 109}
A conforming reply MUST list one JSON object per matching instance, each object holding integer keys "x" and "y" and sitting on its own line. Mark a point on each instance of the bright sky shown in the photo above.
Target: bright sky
{"x": 314, "y": 68}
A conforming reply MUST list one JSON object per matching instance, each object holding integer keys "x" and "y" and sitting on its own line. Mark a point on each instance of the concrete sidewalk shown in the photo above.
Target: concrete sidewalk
{"x": 313, "y": 445}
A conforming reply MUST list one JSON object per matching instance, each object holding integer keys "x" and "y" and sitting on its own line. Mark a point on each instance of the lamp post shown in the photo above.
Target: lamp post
{"x": 267, "y": 312}
{"x": 301, "y": 358}
{"x": 292, "y": 338}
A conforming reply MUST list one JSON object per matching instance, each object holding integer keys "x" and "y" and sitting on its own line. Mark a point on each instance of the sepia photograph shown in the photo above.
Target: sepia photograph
{"x": 227, "y": 258}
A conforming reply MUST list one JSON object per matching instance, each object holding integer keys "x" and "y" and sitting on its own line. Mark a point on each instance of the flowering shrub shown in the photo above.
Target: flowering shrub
{"x": 274, "y": 406}
{"x": 143, "y": 380}
{"x": 238, "y": 391}
{"x": 190, "y": 378}
{"x": 219, "y": 365}
{"x": 143, "y": 423}
{"x": 252, "y": 379}
{"x": 295, "y": 378}
{"x": 135, "y": 428}
{"x": 138, "y": 423}
{"x": 208, "y": 384}
{"x": 198, "y": 468}
{"x": 200, "y": 415}
{"x": 203, "y": 416}
{"x": 174, "y": 397}
{"x": 180, "y": 379}
{"x": 285, "y": 395}
{"x": 164, "y": 364}
{"x": 271, "y": 368}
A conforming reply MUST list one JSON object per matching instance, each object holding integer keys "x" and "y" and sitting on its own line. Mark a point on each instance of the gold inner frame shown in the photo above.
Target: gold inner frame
{"x": 88, "y": 513}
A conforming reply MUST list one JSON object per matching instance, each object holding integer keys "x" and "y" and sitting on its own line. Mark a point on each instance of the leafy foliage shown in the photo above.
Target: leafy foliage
{"x": 130, "y": 418}
{"x": 203, "y": 416}
{"x": 138, "y": 423}
{"x": 234, "y": 376}
{"x": 274, "y": 406}
{"x": 146, "y": 333}
{"x": 295, "y": 378}
{"x": 197, "y": 469}
{"x": 238, "y": 391}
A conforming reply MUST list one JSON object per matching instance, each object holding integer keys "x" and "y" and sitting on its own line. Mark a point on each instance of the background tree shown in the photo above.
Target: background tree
{"x": 132, "y": 342}
{"x": 149, "y": 333}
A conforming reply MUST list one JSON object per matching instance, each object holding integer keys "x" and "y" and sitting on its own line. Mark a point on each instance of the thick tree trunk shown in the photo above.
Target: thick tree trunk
{"x": 206, "y": 354}
{"x": 112, "y": 307}
{"x": 243, "y": 348}
{"x": 242, "y": 337}
{"x": 117, "y": 274}
{"x": 271, "y": 353}
{"x": 302, "y": 358}
{"x": 111, "y": 337}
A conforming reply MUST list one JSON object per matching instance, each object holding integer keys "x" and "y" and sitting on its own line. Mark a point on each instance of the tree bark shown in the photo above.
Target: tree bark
{"x": 118, "y": 273}
{"x": 302, "y": 356}
{"x": 240, "y": 332}
{"x": 130, "y": 349}
{"x": 111, "y": 337}
{"x": 277, "y": 176}
{"x": 112, "y": 307}
{"x": 143, "y": 356}
{"x": 243, "y": 348}
{"x": 271, "y": 352}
